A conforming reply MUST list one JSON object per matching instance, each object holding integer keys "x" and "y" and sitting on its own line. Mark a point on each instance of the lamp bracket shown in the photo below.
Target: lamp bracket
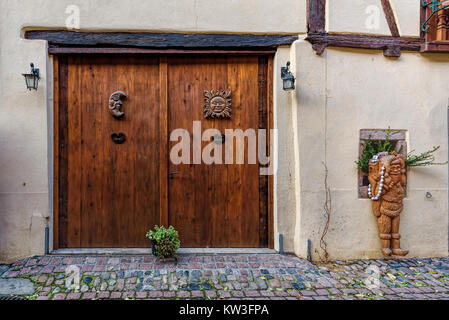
{"x": 34, "y": 70}
{"x": 285, "y": 70}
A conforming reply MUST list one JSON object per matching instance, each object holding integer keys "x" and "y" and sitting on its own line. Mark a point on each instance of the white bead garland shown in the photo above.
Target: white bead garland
{"x": 380, "y": 185}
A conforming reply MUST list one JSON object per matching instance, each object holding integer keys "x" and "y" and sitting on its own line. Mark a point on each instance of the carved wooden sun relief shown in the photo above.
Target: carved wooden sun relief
{"x": 217, "y": 104}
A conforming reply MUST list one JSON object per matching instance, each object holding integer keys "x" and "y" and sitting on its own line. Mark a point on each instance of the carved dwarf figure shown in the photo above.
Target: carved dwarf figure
{"x": 386, "y": 190}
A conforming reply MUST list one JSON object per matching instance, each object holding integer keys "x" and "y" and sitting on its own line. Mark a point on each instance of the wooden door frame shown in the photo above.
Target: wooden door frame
{"x": 60, "y": 129}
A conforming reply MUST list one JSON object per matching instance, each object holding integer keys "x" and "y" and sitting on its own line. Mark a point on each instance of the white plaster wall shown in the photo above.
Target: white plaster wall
{"x": 284, "y": 196}
{"x": 23, "y": 143}
{"x": 249, "y": 16}
{"x": 340, "y": 93}
{"x": 356, "y": 17}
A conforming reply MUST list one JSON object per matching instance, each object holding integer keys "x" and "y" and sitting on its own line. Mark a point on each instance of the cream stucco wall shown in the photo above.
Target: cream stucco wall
{"x": 367, "y": 16}
{"x": 340, "y": 93}
{"x": 337, "y": 94}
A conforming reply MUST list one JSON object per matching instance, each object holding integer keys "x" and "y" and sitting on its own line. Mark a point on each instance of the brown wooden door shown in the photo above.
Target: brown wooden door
{"x": 109, "y": 194}
{"x": 112, "y": 189}
{"x": 216, "y": 205}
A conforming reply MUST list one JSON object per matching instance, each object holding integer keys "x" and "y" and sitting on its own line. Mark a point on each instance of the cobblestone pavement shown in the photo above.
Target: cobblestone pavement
{"x": 244, "y": 276}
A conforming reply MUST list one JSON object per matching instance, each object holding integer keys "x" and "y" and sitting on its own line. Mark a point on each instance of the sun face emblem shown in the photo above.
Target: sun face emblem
{"x": 218, "y": 104}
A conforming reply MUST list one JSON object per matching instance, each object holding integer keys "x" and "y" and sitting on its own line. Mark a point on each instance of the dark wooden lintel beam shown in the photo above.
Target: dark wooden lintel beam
{"x": 98, "y": 50}
{"x": 391, "y": 46}
{"x": 158, "y": 40}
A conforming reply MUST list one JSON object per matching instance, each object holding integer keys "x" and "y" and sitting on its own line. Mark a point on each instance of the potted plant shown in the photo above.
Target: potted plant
{"x": 164, "y": 242}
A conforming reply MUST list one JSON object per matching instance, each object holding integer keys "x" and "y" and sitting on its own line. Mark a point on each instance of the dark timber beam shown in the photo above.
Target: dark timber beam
{"x": 316, "y": 17}
{"x": 391, "y": 46}
{"x": 153, "y": 40}
{"x": 391, "y": 19}
{"x": 118, "y": 50}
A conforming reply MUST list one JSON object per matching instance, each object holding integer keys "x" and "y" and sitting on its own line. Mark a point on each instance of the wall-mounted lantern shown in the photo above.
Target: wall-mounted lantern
{"x": 288, "y": 80}
{"x": 32, "y": 79}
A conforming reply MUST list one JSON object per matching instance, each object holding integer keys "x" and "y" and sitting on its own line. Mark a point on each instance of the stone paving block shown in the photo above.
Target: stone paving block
{"x": 308, "y": 293}
{"x": 224, "y": 294}
{"x": 197, "y": 294}
{"x": 155, "y": 294}
{"x": 103, "y": 294}
{"x": 89, "y": 295}
{"x": 252, "y": 293}
{"x": 238, "y": 294}
{"x": 128, "y": 294}
{"x": 169, "y": 294}
{"x": 16, "y": 286}
{"x": 59, "y": 296}
{"x": 183, "y": 294}
{"x": 322, "y": 292}
{"x": 73, "y": 296}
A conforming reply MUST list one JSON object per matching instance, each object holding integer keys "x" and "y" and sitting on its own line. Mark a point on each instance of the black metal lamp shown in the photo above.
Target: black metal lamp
{"x": 32, "y": 79}
{"x": 288, "y": 80}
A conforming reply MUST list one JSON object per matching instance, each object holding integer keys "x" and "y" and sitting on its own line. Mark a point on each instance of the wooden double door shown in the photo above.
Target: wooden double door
{"x": 114, "y": 179}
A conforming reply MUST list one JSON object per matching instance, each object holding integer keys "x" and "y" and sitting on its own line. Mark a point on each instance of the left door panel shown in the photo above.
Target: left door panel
{"x": 110, "y": 197}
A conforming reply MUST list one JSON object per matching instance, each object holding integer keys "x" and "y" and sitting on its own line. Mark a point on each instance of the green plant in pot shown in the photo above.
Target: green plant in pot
{"x": 164, "y": 241}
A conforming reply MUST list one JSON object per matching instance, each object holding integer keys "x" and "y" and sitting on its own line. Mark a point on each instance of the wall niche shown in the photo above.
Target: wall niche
{"x": 397, "y": 139}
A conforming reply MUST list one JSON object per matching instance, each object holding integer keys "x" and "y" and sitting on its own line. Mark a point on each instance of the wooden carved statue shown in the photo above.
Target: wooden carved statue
{"x": 386, "y": 176}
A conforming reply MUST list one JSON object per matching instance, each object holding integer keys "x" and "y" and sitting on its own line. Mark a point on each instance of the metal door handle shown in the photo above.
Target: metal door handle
{"x": 118, "y": 138}
{"x": 171, "y": 174}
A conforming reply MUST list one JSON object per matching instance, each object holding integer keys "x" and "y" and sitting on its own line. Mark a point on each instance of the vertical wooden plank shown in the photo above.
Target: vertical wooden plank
{"x": 220, "y": 213}
{"x": 270, "y": 126}
{"x": 263, "y": 179}
{"x": 163, "y": 128}
{"x": 316, "y": 16}
{"x": 182, "y": 99}
{"x": 243, "y": 179}
{"x": 107, "y": 83}
{"x": 74, "y": 152}
{"x": 125, "y": 210}
{"x": 148, "y": 147}
{"x": 63, "y": 145}
{"x": 55, "y": 152}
